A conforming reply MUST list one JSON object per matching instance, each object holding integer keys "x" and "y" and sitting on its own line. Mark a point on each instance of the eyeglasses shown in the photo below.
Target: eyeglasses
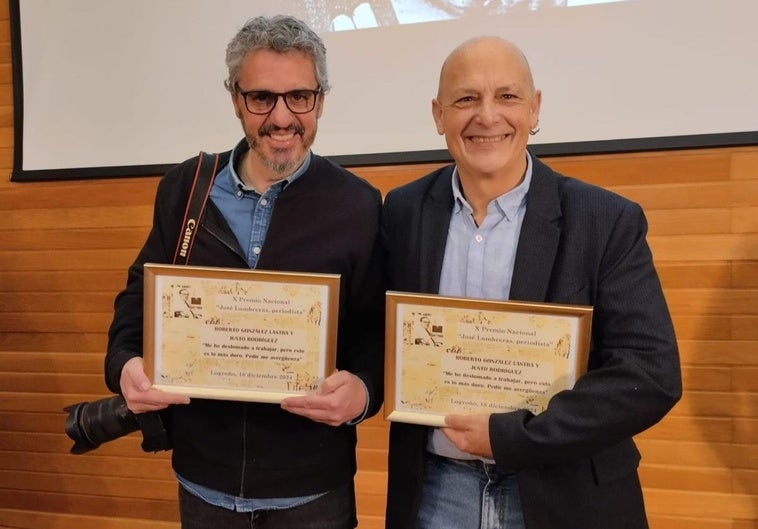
{"x": 262, "y": 102}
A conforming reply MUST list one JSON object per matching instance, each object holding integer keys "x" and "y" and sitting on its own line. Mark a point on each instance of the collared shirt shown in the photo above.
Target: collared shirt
{"x": 248, "y": 212}
{"x": 479, "y": 261}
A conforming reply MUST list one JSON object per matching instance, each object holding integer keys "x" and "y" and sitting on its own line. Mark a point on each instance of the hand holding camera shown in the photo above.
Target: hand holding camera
{"x": 90, "y": 424}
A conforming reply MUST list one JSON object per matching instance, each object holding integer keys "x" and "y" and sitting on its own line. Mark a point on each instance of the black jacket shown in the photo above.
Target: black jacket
{"x": 326, "y": 221}
{"x": 579, "y": 244}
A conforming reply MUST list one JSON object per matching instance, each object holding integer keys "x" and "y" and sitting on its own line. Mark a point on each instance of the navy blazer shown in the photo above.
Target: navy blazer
{"x": 576, "y": 463}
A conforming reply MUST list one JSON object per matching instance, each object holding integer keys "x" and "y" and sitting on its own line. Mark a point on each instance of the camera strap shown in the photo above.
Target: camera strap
{"x": 207, "y": 164}
{"x": 154, "y": 435}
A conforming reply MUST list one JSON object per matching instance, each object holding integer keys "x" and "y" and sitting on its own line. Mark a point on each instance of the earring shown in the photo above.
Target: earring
{"x": 534, "y": 130}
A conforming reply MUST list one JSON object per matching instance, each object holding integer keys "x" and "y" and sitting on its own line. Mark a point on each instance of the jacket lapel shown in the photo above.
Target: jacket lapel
{"x": 435, "y": 219}
{"x": 539, "y": 238}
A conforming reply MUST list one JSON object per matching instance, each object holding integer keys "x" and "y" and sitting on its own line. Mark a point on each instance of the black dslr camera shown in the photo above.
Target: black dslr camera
{"x": 90, "y": 424}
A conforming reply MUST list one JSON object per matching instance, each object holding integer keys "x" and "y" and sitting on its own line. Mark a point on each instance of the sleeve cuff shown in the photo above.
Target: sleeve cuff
{"x": 365, "y": 410}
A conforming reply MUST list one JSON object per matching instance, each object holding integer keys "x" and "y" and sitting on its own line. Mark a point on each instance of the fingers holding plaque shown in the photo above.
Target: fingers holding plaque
{"x": 456, "y": 355}
{"x": 238, "y": 334}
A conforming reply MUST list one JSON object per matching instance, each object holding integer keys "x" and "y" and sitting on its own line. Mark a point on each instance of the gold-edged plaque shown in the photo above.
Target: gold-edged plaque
{"x": 237, "y": 334}
{"x": 449, "y": 355}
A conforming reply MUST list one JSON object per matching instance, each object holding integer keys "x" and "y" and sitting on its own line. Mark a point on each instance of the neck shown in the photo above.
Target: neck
{"x": 254, "y": 175}
{"x": 479, "y": 191}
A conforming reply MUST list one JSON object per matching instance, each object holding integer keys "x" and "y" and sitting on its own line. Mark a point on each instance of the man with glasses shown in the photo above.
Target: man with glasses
{"x": 274, "y": 205}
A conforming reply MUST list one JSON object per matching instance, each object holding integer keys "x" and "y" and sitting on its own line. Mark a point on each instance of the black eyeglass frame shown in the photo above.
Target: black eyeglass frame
{"x": 283, "y": 95}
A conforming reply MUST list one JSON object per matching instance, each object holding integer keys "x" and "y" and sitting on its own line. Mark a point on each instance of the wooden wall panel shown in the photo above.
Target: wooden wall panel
{"x": 65, "y": 247}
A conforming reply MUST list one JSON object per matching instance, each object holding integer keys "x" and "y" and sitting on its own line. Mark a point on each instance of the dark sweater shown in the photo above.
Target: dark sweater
{"x": 326, "y": 221}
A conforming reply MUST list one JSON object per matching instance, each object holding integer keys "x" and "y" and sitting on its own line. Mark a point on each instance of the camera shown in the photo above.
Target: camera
{"x": 90, "y": 424}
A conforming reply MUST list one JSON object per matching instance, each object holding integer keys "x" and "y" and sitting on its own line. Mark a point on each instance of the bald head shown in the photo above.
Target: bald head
{"x": 484, "y": 52}
{"x": 486, "y": 107}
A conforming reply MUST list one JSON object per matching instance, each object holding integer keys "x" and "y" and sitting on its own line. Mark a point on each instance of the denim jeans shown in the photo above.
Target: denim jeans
{"x": 331, "y": 511}
{"x": 468, "y": 495}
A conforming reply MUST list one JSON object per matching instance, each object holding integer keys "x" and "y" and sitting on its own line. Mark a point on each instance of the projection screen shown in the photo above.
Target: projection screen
{"x": 114, "y": 88}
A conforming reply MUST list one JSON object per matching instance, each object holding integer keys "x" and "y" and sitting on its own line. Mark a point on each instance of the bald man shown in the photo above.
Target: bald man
{"x": 500, "y": 224}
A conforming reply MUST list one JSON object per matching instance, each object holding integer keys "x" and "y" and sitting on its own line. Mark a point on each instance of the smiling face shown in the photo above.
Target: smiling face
{"x": 485, "y": 107}
{"x": 279, "y": 141}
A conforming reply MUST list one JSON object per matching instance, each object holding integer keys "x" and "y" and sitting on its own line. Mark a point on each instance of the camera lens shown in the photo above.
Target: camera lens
{"x": 90, "y": 424}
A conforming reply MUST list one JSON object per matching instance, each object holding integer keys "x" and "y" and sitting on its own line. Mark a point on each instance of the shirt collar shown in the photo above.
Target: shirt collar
{"x": 508, "y": 203}
{"x": 236, "y": 182}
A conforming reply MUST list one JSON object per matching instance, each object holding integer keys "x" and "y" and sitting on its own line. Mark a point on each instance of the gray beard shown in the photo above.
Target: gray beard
{"x": 285, "y": 168}
{"x": 280, "y": 168}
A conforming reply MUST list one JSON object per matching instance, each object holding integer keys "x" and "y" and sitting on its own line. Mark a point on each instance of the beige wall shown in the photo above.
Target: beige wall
{"x": 64, "y": 249}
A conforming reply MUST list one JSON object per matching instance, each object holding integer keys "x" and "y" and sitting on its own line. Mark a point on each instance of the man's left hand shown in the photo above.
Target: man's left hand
{"x": 340, "y": 398}
{"x": 469, "y": 433}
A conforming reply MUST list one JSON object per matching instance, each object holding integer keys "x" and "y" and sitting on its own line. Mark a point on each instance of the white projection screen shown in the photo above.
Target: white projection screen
{"x": 107, "y": 88}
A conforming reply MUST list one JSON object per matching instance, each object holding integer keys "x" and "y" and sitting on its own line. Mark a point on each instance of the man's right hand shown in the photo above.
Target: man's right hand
{"x": 135, "y": 386}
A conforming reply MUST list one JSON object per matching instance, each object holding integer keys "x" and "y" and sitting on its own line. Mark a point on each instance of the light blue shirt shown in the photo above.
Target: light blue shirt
{"x": 247, "y": 212}
{"x": 479, "y": 261}
{"x": 235, "y": 503}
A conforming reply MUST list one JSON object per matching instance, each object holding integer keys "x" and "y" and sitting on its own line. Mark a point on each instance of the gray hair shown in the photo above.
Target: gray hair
{"x": 281, "y": 34}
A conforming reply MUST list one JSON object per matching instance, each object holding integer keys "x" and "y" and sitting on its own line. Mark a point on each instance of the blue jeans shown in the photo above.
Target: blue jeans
{"x": 331, "y": 511}
{"x": 468, "y": 495}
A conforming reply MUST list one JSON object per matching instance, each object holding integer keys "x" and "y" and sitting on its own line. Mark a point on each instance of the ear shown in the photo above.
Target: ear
{"x": 535, "y": 107}
{"x": 235, "y": 104}
{"x": 320, "y": 105}
{"x": 437, "y": 114}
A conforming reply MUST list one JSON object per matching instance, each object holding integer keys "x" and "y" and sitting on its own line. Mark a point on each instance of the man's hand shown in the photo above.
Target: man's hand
{"x": 339, "y": 398}
{"x": 470, "y": 433}
{"x": 135, "y": 386}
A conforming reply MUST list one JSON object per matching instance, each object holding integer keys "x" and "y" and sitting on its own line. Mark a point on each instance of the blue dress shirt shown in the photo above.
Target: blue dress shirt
{"x": 479, "y": 262}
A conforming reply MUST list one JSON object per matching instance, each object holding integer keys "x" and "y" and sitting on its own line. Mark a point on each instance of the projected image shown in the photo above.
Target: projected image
{"x": 345, "y": 15}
